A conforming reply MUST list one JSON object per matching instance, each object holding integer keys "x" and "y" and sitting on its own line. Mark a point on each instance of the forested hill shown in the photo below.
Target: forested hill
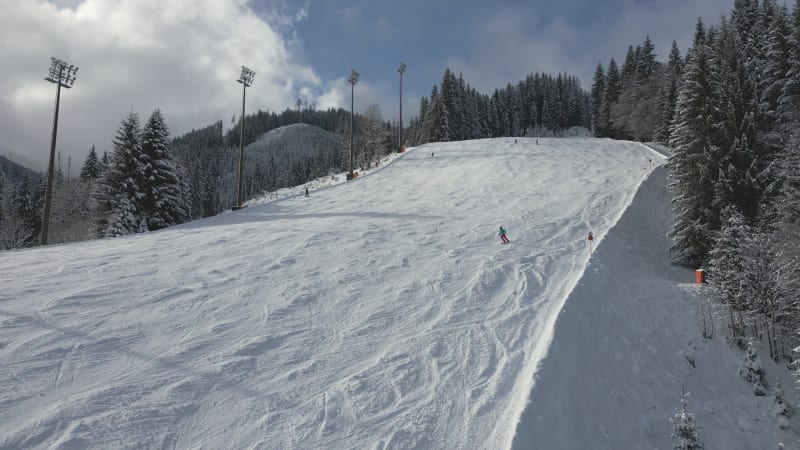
{"x": 261, "y": 122}
{"x": 286, "y": 156}
{"x": 14, "y": 173}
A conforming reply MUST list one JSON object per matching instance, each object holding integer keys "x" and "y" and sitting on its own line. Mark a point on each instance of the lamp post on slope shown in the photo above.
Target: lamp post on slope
{"x": 246, "y": 78}
{"x": 401, "y": 147}
{"x": 62, "y": 75}
{"x": 353, "y": 80}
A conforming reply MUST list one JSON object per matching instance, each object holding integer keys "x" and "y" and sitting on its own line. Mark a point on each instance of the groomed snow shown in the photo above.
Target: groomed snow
{"x": 378, "y": 313}
{"x": 628, "y": 341}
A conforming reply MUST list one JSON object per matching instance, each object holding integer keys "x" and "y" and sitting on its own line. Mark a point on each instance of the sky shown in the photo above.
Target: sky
{"x": 184, "y": 56}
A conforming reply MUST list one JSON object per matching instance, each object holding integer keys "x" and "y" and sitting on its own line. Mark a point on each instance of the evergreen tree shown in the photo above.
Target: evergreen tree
{"x": 684, "y": 427}
{"x": 449, "y": 100}
{"x": 629, "y": 66}
{"x": 163, "y": 201}
{"x": 26, "y": 205}
{"x": 789, "y": 100}
{"x": 780, "y": 410}
{"x": 424, "y": 107}
{"x": 3, "y": 183}
{"x": 778, "y": 62}
{"x": 613, "y": 89}
{"x": 668, "y": 94}
{"x": 120, "y": 198}
{"x": 598, "y": 89}
{"x": 692, "y": 172}
{"x": 646, "y": 62}
{"x": 727, "y": 264}
{"x": 437, "y": 119}
{"x": 752, "y": 370}
{"x": 92, "y": 167}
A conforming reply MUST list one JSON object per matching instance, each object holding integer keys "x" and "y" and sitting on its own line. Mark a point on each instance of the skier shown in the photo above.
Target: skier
{"x": 503, "y": 236}
{"x": 306, "y": 192}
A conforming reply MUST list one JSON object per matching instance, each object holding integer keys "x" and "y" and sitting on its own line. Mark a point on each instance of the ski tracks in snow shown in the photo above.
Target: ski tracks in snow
{"x": 379, "y": 314}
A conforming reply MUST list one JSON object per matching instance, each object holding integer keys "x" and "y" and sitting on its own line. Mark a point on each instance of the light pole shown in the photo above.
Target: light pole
{"x": 246, "y": 78}
{"x": 62, "y": 75}
{"x": 353, "y": 80}
{"x": 402, "y": 147}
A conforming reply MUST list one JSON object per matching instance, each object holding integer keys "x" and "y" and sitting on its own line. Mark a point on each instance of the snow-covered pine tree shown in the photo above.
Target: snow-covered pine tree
{"x": 685, "y": 431}
{"x": 726, "y": 266}
{"x": 646, "y": 62}
{"x": 598, "y": 89}
{"x": 613, "y": 89}
{"x": 163, "y": 202}
{"x": 119, "y": 197}
{"x": 780, "y": 410}
{"x": 494, "y": 120}
{"x": 473, "y": 115}
{"x": 28, "y": 219}
{"x": 3, "y": 183}
{"x": 628, "y": 72}
{"x": 437, "y": 120}
{"x": 752, "y": 370}
{"x": 484, "y": 114}
{"x": 668, "y": 93}
{"x": 789, "y": 100}
{"x": 515, "y": 111}
{"x": 692, "y": 176}
{"x": 735, "y": 160}
{"x": 92, "y": 167}
{"x": 421, "y": 137}
{"x": 436, "y": 128}
{"x": 778, "y": 63}
{"x": 461, "y": 114}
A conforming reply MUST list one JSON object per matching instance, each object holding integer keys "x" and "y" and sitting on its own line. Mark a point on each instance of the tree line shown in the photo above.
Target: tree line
{"x": 539, "y": 104}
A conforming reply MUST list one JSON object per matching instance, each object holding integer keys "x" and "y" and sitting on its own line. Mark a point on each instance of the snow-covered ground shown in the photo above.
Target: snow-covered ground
{"x": 378, "y": 313}
{"x": 629, "y": 340}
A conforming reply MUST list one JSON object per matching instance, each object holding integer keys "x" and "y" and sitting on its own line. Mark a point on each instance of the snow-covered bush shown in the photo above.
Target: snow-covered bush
{"x": 752, "y": 370}
{"x": 685, "y": 431}
{"x": 780, "y": 410}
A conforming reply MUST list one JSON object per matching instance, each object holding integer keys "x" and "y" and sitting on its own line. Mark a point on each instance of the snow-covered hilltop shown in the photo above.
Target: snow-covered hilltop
{"x": 378, "y": 313}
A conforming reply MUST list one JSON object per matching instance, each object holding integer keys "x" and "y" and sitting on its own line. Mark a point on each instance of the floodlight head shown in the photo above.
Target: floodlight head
{"x": 246, "y": 77}
{"x": 62, "y": 73}
{"x": 402, "y": 68}
{"x": 353, "y": 77}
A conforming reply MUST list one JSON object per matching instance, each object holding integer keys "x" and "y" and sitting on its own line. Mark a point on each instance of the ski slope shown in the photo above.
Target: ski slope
{"x": 629, "y": 340}
{"x": 379, "y": 313}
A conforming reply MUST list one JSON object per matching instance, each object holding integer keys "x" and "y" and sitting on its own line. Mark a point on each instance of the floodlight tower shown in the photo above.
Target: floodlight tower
{"x": 246, "y": 78}
{"x": 353, "y": 80}
{"x": 63, "y": 75}
{"x": 401, "y": 147}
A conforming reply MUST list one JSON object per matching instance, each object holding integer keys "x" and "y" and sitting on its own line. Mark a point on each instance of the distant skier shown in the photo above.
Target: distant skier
{"x": 431, "y": 154}
{"x": 306, "y": 192}
{"x": 503, "y": 236}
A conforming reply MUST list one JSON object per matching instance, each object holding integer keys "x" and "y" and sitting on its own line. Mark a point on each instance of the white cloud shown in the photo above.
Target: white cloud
{"x": 182, "y": 56}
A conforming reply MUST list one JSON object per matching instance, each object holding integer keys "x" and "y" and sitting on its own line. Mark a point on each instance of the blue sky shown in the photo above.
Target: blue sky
{"x": 183, "y": 56}
{"x": 491, "y": 43}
